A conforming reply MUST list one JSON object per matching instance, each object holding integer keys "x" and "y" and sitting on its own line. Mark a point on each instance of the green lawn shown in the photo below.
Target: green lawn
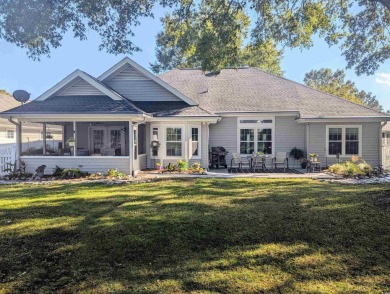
{"x": 197, "y": 235}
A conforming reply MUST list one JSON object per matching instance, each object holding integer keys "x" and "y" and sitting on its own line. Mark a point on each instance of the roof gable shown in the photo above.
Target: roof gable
{"x": 79, "y": 83}
{"x": 138, "y": 84}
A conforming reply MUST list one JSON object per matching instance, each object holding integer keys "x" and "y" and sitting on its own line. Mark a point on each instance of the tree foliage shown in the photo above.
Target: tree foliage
{"x": 211, "y": 36}
{"x": 359, "y": 27}
{"x": 335, "y": 83}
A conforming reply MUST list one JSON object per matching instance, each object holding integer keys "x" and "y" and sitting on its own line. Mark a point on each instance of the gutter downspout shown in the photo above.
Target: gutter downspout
{"x": 18, "y": 141}
{"x": 380, "y": 143}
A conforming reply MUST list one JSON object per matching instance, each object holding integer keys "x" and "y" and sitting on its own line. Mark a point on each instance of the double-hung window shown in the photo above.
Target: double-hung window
{"x": 174, "y": 144}
{"x": 335, "y": 141}
{"x": 344, "y": 140}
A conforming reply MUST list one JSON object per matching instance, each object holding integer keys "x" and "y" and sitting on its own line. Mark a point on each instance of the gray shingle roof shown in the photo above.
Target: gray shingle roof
{"x": 254, "y": 90}
{"x": 76, "y": 104}
{"x": 171, "y": 108}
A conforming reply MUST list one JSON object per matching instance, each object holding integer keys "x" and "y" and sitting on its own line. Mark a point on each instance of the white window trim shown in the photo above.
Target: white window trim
{"x": 256, "y": 126}
{"x": 6, "y": 134}
{"x": 199, "y": 127}
{"x": 164, "y": 142}
{"x": 343, "y": 141}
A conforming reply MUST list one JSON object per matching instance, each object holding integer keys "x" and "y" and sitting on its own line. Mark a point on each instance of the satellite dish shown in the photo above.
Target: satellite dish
{"x": 21, "y": 96}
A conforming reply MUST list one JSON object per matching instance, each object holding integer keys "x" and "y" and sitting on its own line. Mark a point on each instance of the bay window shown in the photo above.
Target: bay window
{"x": 344, "y": 140}
{"x": 174, "y": 144}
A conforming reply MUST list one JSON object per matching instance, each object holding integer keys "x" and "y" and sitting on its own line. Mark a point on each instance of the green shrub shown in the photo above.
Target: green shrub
{"x": 197, "y": 168}
{"x": 171, "y": 167}
{"x": 182, "y": 165}
{"x": 351, "y": 169}
{"x": 58, "y": 171}
{"x": 115, "y": 173}
{"x": 73, "y": 173}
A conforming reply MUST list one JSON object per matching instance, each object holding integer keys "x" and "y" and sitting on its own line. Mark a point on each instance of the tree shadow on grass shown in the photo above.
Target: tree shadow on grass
{"x": 247, "y": 236}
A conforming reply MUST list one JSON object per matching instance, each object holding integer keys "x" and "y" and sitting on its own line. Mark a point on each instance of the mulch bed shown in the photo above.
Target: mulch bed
{"x": 266, "y": 171}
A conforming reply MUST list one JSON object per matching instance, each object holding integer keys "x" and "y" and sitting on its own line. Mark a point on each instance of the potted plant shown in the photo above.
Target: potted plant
{"x": 297, "y": 153}
{"x": 71, "y": 142}
{"x": 158, "y": 166}
{"x": 313, "y": 157}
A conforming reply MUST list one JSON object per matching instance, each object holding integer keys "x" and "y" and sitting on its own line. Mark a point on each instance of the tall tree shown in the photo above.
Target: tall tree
{"x": 359, "y": 27}
{"x": 195, "y": 39}
{"x": 335, "y": 83}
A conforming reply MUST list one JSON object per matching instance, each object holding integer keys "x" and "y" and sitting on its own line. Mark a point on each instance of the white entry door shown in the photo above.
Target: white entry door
{"x": 109, "y": 141}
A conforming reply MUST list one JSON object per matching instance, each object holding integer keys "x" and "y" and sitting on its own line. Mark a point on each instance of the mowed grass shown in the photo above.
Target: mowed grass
{"x": 197, "y": 236}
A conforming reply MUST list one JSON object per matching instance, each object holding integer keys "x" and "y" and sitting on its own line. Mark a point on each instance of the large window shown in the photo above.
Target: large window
{"x": 174, "y": 142}
{"x": 10, "y": 134}
{"x": 247, "y": 141}
{"x": 344, "y": 140}
{"x": 195, "y": 141}
{"x": 264, "y": 141}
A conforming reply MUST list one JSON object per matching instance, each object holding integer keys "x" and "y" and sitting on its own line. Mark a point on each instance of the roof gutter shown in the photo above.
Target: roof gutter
{"x": 344, "y": 119}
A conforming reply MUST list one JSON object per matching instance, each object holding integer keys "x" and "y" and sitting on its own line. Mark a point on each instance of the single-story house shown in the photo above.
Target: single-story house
{"x": 111, "y": 121}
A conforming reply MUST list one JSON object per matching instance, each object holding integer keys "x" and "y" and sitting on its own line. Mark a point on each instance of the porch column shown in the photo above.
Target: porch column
{"x": 75, "y": 137}
{"x": 44, "y": 138}
{"x": 131, "y": 145}
{"x": 18, "y": 151}
{"x": 381, "y": 156}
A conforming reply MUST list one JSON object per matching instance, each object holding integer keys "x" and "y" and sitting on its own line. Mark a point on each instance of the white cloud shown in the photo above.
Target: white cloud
{"x": 383, "y": 78}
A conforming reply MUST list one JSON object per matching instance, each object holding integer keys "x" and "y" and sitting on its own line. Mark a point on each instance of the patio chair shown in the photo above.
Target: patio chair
{"x": 258, "y": 161}
{"x": 280, "y": 159}
{"x": 238, "y": 162}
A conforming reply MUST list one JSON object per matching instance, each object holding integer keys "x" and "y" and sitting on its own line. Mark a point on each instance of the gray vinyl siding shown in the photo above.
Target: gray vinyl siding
{"x": 224, "y": 134}
{"x": 288, "y": 134}
{"x": 141, "y": 90}
{"x": 134, "y": 85}
{"x": 80, "y": 88}
{"x": 89, "y": 164}
{"x": 370, "y": 142}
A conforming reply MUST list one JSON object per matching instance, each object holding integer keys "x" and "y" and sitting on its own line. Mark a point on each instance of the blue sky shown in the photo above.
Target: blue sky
{"x": 20, "y": 72}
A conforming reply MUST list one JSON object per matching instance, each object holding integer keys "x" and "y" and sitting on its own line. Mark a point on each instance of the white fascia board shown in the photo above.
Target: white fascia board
{"x": 354, "y": 119}
{"x": 147, "y": 74}
{"x": 75, "y": 117}
{"x": 254, "y": 113}
{"x": 184, "y": 119}
{"x": 78, "y": 73}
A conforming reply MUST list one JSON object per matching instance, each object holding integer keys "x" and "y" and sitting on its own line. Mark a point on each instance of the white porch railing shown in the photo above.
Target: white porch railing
{"x": 386, "y": 156}
{"x": 7, "y": 157}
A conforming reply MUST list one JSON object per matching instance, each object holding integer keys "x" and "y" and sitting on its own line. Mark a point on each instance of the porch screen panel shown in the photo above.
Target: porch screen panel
{"x": 247, "y": 141}
{"x": 142, "y": 139}
{"x": 264, "y": 144}
{"x": 335, "y": 141}
{"x": 351, "y": 141}
{"x": 98, "y": 141}
{"x": 174, "y": 142}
